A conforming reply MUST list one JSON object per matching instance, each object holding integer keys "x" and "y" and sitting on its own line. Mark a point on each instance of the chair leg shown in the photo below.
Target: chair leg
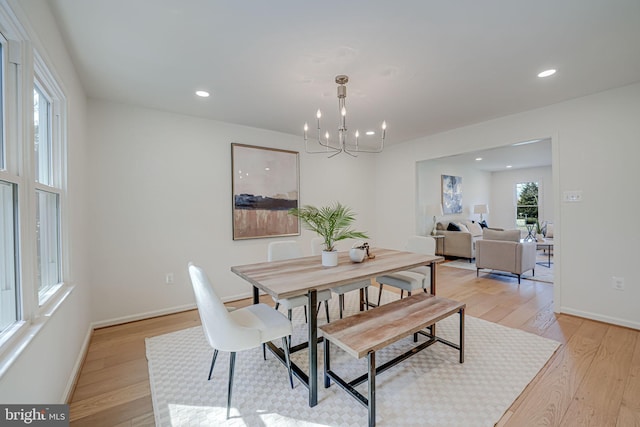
{"x": 518, "y": 279}
{"x": 232, "y": 363}
{"x": 366, "y": 298}
{"x": 341, "y": 303}
{"x": 379, "y": 294}
{"x": 277, "y": 305}
{"x": 401, "y": 293}
{"x": 287, "y": 358}
{"x": 408, "y": 293}
{"x": 326, "y": 309}
{"x": 306, "y": 320}
{"x": 213, "y": 362}
{"x": 477, "y": 272}
{"x": 264, "y": 351}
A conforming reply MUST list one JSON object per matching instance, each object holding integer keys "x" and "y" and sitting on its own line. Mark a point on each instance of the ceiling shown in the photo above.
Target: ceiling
{"x": 424, "y": 66}
{"x": 520, "y": 155}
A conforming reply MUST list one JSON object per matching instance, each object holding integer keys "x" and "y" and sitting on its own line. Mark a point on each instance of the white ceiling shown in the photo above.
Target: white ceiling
{"x": 425, "y": 66}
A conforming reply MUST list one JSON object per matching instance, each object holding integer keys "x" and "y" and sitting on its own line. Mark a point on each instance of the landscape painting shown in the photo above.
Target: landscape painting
{"x": 265, "y": 186}
{"x": 451, "y": 194}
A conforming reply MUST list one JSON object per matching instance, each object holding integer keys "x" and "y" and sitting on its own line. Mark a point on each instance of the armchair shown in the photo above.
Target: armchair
{"x": 505, "y": 255}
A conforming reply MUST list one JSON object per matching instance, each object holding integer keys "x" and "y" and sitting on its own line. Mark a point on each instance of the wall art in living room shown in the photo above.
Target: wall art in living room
{"x": 451, "y": 194}
{"x": 265, "y": 186}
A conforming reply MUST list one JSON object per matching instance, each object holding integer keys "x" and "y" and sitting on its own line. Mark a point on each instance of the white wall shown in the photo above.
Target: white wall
{"x": 44, "y": 369}
{"x": 503, "y": 196}
{"x": 476, "y": 189}
{"x": 161, "y": 197}
{"x": 595, "y": 149}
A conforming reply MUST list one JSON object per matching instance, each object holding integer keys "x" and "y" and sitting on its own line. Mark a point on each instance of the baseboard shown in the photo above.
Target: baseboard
{"x": 601, "y": 318}
{"x": 142, "y": 316}
{"x": 77, "y": 367}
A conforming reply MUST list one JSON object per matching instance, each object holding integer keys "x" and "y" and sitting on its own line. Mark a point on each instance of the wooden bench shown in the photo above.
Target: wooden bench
{"x": 366, "y": 332}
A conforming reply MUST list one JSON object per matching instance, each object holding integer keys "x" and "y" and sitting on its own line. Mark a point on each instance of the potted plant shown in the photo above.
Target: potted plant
{"x": 332, "y": 223}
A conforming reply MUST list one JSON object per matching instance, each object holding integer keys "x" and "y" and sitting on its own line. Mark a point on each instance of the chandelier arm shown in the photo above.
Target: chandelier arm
{"x": 343, "y": 145}
{"x": 361, "y": 150}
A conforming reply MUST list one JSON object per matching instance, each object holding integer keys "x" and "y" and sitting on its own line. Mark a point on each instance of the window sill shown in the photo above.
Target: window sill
{"x": 20, "y": 335}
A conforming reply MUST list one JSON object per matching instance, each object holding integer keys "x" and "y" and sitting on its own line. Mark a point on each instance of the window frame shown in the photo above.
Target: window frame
{"x": 518, "y": 205}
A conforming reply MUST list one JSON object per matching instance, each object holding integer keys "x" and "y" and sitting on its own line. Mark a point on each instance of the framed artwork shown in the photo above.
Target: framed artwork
{"x": 451, "y": 194}
{"x": 265, "y": 185}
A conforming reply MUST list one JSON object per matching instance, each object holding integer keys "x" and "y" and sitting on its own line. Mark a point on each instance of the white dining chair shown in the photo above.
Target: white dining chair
{"x": 415, "y": 278}
{"x": 289, "y": 249}
{"x": 317, "y": 243}
{"x": 237, "y": 330}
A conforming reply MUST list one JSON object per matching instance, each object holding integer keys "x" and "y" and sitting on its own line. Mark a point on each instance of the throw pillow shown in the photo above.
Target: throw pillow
{"x": 549, "y": 232}
{"x": 453, "y": 227}
{"x": 474, "y": 229}
{"x": 462, "y": 227}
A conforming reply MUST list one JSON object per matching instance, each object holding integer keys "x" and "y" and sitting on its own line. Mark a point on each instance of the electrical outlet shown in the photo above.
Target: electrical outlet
{"x": 617, "y": 283}
{"x": 168, "y": 279}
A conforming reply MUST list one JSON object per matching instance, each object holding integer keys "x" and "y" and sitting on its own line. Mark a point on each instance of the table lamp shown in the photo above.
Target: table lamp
{"x": 480, "y": 209}
{"x": 434, "y": 210}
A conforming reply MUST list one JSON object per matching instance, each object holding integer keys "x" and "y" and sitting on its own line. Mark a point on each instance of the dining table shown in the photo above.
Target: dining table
{"x": 307, "y": 275}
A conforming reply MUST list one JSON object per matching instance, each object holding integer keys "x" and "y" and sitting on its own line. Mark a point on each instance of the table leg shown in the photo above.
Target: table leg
{"x": 312, "y": 296}
{"x": 256, "y": 295}
{"x": 432, "y": 266}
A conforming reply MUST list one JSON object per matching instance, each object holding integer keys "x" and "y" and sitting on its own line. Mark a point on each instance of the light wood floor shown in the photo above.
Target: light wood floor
{"x": 592, "y": 380}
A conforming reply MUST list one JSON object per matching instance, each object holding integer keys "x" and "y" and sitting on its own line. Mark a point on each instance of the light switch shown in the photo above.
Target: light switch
{"x": 572, "y": 196}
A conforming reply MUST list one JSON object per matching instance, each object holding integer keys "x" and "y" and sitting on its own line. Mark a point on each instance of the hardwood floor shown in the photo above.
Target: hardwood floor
{"x": 592, "y": 380}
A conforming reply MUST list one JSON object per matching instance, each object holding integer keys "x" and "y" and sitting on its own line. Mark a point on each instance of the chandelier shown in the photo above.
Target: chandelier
{"x": 342, "y": 145}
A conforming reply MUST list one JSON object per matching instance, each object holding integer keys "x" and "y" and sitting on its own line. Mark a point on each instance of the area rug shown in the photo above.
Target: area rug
{"x": 428, "y": 389}
{"x": 543, "y": 273}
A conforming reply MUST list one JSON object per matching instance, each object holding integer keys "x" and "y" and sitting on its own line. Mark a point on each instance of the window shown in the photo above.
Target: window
{"x": 8, "y": 283}
{"x": 527, "y": 204}
{"x": 47, "y": 170}
{"x": 42, "y": 136}
{"x": 32, "y": 188}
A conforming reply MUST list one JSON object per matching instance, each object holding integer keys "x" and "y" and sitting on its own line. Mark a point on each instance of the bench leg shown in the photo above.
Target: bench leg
{"x": 462, "y": 335}
{"x": 327, "y": 364}
{"x": 371, "y": 398}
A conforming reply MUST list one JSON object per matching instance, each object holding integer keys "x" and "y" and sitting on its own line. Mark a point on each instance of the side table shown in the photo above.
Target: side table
{"x": 439, "y": 244}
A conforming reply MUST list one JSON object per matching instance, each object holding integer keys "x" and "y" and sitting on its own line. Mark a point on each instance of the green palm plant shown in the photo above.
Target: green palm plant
{"x": 332, "y": 223}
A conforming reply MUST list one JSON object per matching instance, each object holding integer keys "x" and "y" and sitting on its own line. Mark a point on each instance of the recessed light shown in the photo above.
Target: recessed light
{"x": 202, "y": 93}
{"x": 478, "y": 159}
{"x": 370, "y": 132}
{"x": 547, "y": 73}
{"x": 509, "y": 166}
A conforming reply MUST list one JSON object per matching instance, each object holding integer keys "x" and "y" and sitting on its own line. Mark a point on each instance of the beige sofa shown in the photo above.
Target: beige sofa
{"x": 459, "y": 243}
{"x": 503, "y": 250}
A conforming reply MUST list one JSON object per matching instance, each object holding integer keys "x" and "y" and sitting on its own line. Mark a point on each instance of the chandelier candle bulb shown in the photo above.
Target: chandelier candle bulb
{"x": 306, "y": 128}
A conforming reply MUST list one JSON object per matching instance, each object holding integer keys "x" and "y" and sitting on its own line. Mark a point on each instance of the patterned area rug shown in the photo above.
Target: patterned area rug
{"x": 543, "y": 273}
{"x": 428, "y": 389}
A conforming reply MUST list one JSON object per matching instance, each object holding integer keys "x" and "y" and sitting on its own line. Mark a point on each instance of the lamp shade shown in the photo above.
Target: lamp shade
{"x": 434, "y": 210}
{"x": 480, "y": 209}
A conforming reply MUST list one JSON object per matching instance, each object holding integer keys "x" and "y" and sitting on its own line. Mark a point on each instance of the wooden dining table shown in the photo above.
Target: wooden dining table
{"x": 299, "y": 276}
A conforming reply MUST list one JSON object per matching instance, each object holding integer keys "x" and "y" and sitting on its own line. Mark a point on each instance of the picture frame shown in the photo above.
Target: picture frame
{"x": 451, "y": 194}
{"x": 265, "y": 185}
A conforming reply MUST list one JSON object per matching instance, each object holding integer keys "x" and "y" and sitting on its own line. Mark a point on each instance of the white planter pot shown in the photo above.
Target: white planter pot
{"x": 330, "y": 259}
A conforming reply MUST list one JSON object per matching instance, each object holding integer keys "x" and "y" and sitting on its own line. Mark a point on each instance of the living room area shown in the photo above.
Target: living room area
{"x": 506, "y": 188}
